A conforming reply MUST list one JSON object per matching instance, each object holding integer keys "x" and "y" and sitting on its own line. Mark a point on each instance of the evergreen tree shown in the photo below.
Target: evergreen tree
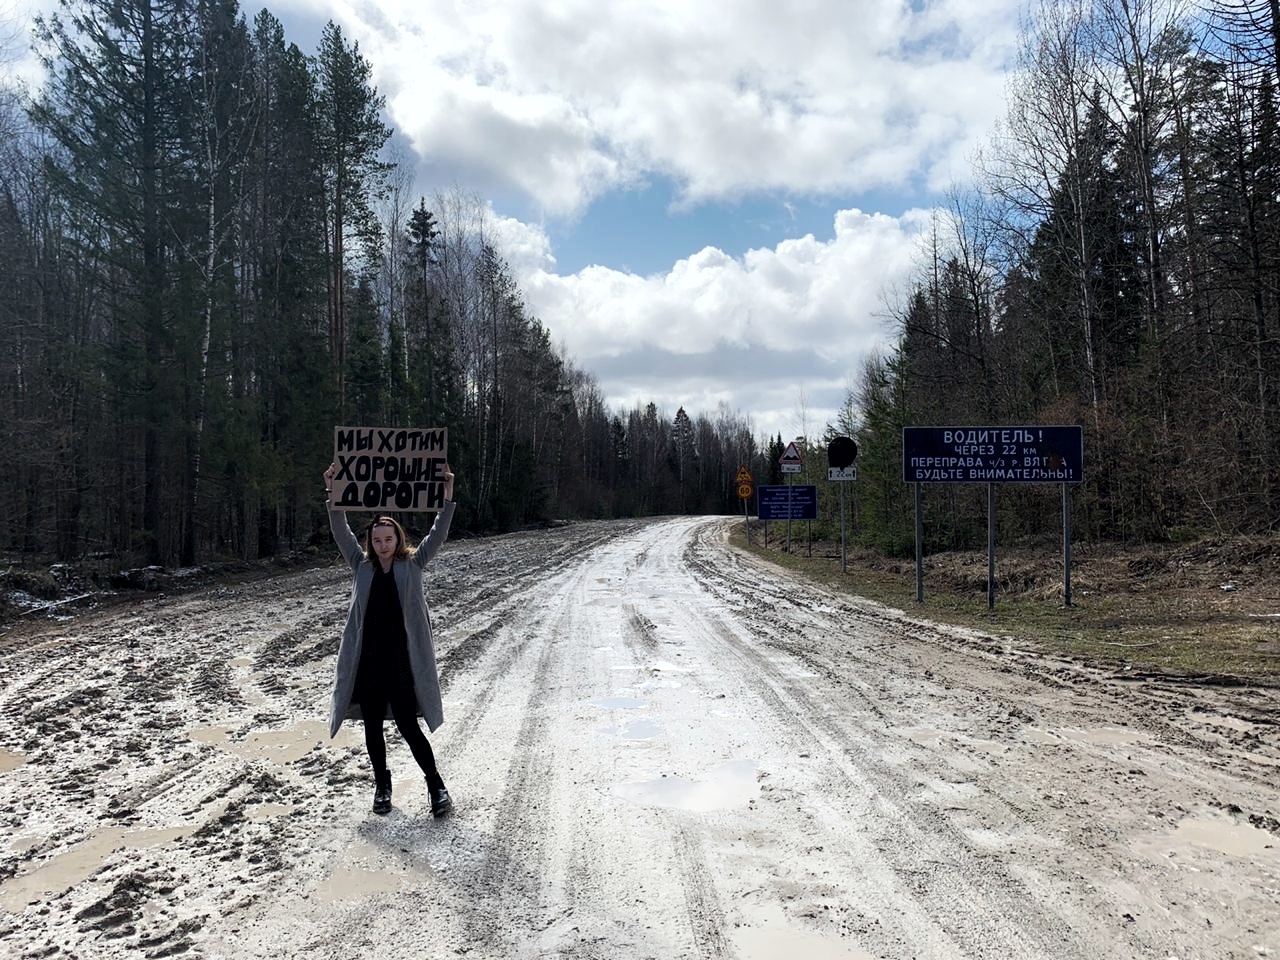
{"x": 116, "y": 103}
{"x": 284, "y": 308}
{"x": 684, "y": 459}
{"x": 350, "y": 136}
{"x": 366, "y": 375}
{"x": 219, "y": 141}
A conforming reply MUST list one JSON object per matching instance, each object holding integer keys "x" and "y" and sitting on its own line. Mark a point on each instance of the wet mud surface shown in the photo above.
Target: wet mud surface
{"x": 657, "y": 747}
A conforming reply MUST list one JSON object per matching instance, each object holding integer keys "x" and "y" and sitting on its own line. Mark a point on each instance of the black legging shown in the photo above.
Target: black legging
{"x": 404, "y": 710}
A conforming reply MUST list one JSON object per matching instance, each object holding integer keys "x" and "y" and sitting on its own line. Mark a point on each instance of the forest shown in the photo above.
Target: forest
{"x": 1117, "y": 267}
{"x": 211, "y": 259}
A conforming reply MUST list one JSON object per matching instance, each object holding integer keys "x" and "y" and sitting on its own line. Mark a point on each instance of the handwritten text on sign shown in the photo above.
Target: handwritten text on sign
{"x": 389, "y": 468}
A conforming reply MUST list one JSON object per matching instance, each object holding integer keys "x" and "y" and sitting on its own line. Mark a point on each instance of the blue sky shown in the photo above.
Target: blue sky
{"x": 639, "y": 229}
{"x": 710, "y": 203}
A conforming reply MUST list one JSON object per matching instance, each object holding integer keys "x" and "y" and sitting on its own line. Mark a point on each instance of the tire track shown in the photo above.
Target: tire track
{"x": 601, "y": 678}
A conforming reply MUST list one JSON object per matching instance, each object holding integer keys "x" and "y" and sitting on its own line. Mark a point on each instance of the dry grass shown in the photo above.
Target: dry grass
{"x": 1209, "y": 609}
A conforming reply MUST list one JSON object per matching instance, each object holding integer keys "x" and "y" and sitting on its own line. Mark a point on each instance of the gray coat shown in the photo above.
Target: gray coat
{"x": 417, "y": 622}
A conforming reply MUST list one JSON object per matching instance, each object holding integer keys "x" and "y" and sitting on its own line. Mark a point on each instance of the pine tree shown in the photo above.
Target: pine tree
{"x": 291, "y": 385}
{"x": 684, "y": 459}
{"x": 115, "y": 103}
{"x": 350, "y": 136}
{"x": 223, "y": 122}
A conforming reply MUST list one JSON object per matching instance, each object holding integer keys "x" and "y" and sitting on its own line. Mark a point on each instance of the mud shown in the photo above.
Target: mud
{"x": 657, "y": 747}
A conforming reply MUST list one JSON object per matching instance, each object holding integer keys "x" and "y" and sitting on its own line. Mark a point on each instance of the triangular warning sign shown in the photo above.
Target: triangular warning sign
{"x": 791, "y": 455}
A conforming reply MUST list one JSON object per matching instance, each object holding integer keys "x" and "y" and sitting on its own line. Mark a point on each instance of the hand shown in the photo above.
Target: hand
{"x": 448, "y": 482}
{"x": 329, "y": 475}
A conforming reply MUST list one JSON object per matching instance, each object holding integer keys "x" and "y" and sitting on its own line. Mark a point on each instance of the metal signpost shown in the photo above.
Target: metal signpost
{"x": 790, "y": 462}
{"x": 991, "y": 455}
{"x": 744, "y": 482}
{"x": 841, "y": 454}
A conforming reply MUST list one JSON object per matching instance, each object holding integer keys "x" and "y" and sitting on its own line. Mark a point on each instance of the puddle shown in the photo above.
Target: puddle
{"x": 281, "y": 746}
{"x": 10, "y": 761}
{"x": 618, "y": 703}
{"x": 730, "y": 784}
{"x": 771, "y": 936}
{"x": 1235, "y": 839}
{"x": 364, "y": 871}
{"x": 945, "y": 792}
{"x": 640, "y": 730}
{"x": 353, "y": 883}
{"x": 1211, "y": 833}
{"x": 1094, "y": 736}
{"x": 23, "y": 844}
{"x": 268, "y": 811}
{"x": 664, "y": 666}
{"x": 765, "y": 943}
{"x": 208, "y": 734}
{"x": 923, "y": 735}
{"x": 79, "y": 863}
{"x": 1222, "y": 720}
{"x": 1103, "y": 736}
{"x": 1036, "y": 735}
{"x": 659, "y": 685}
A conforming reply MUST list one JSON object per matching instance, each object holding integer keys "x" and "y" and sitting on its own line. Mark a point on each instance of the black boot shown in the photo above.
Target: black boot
{"x": 440, "y": 802}
{"x": 382, "y": 792}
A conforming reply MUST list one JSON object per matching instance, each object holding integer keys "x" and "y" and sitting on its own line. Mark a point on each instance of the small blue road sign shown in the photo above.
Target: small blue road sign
{"x": 797, "y": 502}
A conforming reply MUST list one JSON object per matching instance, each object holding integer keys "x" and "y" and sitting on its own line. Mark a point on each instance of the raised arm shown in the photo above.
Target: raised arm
{"x": 439, "y": 533}
{"x": 347, "y": 543}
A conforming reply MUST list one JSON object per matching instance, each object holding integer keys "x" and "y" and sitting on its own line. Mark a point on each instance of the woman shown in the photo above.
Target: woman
{"x": 386, "y": 661}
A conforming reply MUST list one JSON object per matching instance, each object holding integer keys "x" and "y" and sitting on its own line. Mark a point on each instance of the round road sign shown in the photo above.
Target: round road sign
{"x": 841, "y": 452}
{"x": 744, "y": 491}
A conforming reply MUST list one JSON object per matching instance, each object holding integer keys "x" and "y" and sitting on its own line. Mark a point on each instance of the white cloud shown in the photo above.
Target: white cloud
{"x": 20, "y": 68}
{"x": 753, "y": 331}
{"x": 565, "y": 100}
{"x": 814, "y": 293}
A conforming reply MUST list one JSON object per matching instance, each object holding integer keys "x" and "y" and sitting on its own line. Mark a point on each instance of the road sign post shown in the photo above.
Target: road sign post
{"x": 991, "y": 455}
{"x": 844, "y": 561}
{"x": 841, "y": 454}
{"x": 745, "y": 483}
{"x": 791, "y": 462}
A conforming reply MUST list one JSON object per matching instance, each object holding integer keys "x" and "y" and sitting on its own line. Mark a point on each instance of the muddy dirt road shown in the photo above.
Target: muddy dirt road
{"x": 657, "y": 747}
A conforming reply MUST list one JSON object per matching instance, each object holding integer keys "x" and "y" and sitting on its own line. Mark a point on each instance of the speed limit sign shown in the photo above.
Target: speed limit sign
{"x": 744, "y": 491}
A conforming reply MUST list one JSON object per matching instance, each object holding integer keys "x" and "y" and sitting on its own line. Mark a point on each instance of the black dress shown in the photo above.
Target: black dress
{"x": 384, "y": 669}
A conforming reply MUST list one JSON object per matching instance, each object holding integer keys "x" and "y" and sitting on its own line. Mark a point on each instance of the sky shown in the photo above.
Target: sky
{"x": 705, "y": 202}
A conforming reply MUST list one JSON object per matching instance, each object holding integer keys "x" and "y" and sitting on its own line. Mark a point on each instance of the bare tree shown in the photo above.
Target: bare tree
{"x": 1141, "y": 46}
{"x": 1043, "y": 154}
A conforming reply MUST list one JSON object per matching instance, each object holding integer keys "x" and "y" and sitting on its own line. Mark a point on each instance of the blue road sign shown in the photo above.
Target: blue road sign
{"x": 801, "y": 499}
{"x": 993, "y": 454}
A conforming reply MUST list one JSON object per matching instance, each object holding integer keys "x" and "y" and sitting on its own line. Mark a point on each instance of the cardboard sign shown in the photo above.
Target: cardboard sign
{"x": 381, "y": 469}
